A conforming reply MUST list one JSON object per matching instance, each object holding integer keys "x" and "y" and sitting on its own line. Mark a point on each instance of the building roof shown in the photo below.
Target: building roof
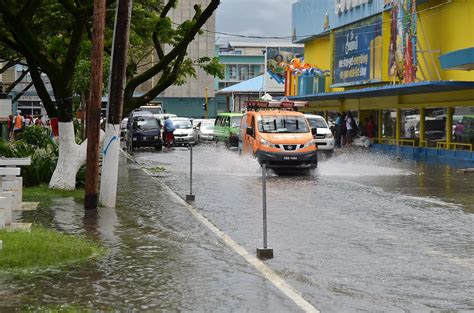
{"x": 390, "y": 90}
{"x": 255, "y": 85}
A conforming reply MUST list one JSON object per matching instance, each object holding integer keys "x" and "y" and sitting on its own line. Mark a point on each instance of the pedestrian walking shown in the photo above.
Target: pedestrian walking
{"x": 18, "y": 124}
{"x": 10, "y": 127}
{"x": 351, "y": 128}
{"x": 458, "y": 131}
{"x": 371, "y": 129}
{"x": 39, "y": 121}
{"x": 343, "y": 129}
{"x": 338, "y": 124}
{"x": 168, "y": 129}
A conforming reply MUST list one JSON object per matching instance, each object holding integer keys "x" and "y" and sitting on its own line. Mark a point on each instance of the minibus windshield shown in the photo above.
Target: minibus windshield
{"x": 282, "y": 124}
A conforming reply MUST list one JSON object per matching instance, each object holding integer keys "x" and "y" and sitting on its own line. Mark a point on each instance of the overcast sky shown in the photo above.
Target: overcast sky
{"x": 255, "y": 17}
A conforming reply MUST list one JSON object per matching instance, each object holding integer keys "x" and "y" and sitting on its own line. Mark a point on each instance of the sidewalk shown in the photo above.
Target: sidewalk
{"x": 161, "y": 258}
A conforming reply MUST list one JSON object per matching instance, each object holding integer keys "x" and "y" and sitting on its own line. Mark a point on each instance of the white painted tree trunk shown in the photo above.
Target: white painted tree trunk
{"x": 71, "y": 158}
{"x": 109, "y": 174}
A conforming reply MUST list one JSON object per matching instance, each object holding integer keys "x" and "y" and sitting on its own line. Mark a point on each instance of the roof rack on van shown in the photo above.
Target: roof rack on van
{"x": 254, "y": 105}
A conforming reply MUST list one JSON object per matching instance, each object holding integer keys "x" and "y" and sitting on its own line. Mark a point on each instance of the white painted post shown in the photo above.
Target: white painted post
{"x": 2, "y": 218}
{"x": 109, "y": 173}
{"x": 13, "y": 185}
{"x": 6, "y": 205}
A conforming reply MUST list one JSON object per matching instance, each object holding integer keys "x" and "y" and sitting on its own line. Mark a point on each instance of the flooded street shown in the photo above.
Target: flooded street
{"x": 363, "y": 232}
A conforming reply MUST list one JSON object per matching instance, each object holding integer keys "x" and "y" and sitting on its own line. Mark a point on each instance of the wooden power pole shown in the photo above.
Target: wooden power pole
{"x": 93, "y": 110}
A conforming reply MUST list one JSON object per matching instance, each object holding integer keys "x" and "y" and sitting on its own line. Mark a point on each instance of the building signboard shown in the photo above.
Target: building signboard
{"x": 358, "y": 53}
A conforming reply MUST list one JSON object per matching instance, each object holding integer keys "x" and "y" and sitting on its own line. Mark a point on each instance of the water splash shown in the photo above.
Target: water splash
{"x": 353, "y": 163}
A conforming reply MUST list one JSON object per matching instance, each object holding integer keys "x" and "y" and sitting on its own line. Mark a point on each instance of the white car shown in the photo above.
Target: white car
{"x": 324, "y": 137}
{"x": 184, "y": 133}
{"x": 205, "y": 130}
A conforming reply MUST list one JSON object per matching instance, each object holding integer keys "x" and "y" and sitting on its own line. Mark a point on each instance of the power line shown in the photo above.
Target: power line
{"x": 233, "y": 35}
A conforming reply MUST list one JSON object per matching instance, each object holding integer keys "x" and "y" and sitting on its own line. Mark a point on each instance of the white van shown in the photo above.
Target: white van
{"x": 156, "y": 109}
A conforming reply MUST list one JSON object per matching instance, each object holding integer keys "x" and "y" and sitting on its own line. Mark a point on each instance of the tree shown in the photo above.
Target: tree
{"x": 50, "y": 34}
{"x": 151, "y": 27}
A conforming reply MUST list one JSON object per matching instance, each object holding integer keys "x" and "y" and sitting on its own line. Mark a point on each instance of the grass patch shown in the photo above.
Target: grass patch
{"x": 43, "y": 249}
{"x": 42, "y": 193}
{"x": 156, "y": 169}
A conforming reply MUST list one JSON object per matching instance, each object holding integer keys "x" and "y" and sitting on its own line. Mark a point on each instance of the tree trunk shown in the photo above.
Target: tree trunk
{"x": 71, "y": 157}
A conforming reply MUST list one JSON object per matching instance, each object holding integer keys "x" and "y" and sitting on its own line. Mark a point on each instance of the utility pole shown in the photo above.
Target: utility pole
{"x": 109, "y": 177}
{"x": 206, "y": 113}
{"x": 93, "y": 114}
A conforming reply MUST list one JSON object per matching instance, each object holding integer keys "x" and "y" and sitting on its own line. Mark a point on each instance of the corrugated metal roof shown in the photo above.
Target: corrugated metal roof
{"x": 254, "y": 85}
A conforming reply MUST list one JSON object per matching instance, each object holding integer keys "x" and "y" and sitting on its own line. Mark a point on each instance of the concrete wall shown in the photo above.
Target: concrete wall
{"x": 444, "y": 29}
{"x": 189, "y": 107}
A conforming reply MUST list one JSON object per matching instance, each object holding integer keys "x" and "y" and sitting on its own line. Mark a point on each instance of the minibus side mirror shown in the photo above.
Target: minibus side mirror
{"x": 249, "y": 131}
{"x": 314, "y": 131}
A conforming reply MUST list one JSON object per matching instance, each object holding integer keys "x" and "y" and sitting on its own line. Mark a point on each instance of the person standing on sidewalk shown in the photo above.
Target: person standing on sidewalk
{"x": 18, "y": 123}
{"x": 338, "y": 124}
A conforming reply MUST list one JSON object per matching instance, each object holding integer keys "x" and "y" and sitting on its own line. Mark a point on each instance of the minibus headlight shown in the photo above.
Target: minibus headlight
{"x": 310, "y": 143}
{"x": 330, "y": 135}
{"x": 267, "y": 143}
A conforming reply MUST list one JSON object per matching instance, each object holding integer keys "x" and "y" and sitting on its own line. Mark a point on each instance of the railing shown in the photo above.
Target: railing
{"x": 393, "y": 141}
{"x": 424, "y": 143}
{"x": 453, "y": 145}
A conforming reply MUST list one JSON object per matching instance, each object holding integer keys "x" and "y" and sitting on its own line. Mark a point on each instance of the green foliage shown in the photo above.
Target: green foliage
{"x": 43, "y": 194}
{"x": 26, "y": 253}
{"x": 36, "y": 136}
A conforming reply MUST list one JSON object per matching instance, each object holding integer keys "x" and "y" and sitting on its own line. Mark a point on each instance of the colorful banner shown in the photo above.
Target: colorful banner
{"x": 402, "y": 52}
{"x": 358, "y": 53}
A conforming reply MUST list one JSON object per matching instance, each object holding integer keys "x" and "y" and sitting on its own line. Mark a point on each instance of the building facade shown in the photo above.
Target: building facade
{"x": 244, "y": 63}
{"x": 188, "y": 99}
{"x": 395, "y": 60}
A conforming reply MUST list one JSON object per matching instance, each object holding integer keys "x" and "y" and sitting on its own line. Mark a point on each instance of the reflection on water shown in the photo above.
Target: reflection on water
{"x": 363, "y": 232}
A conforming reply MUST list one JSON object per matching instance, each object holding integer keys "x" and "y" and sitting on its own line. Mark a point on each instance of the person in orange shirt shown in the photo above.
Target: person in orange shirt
{"x": 18, "y": 123}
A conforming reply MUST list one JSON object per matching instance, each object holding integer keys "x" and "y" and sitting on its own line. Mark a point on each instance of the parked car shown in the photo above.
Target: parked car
{"x": 123, "y": 127}
{"x": 184, "y": 133}
{"x": 137, "y": 112}
{"x": 226, "y": 128}
{"x": 144, "y": 131}
{"x": 468, "y": 129}
{"x": 324, "y": 136}
{"x": 205, "y": 130}
{"x": 155, "y": 109}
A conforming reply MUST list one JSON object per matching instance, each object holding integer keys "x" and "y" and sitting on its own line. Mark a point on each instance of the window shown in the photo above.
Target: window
{"x": 243, "y": 72}
{"x": 235, "y": 121}
{"x": 232, "y": 71}
{"x": 226, "y": 121}
{"x": 282, "y": 124}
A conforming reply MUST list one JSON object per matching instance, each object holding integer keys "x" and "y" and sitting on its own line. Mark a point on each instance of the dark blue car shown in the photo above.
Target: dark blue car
{"x": 144, "y": 131}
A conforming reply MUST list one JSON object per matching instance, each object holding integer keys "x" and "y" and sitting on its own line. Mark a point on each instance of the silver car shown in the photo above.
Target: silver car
{"x": 184, "y": 133}
{"x": 205, "y": 130}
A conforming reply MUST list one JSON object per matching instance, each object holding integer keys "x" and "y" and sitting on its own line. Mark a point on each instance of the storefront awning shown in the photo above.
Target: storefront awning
{"x": 390, "y": 90}
{"x": 458, "y": 60}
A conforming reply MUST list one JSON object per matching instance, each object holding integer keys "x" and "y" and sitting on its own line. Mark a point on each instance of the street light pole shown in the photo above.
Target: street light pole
{"x": 264, "y": 71}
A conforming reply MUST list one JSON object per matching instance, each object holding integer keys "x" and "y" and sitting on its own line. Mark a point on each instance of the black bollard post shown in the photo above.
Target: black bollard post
{"x": 190, "y": 197}
{"x": 265, "y": 252}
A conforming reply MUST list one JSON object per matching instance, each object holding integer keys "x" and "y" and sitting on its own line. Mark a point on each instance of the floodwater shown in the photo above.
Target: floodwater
{"x": 364, "y": 232}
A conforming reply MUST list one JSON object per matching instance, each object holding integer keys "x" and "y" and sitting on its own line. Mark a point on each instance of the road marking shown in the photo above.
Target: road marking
{"x": 265, "y": 270}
